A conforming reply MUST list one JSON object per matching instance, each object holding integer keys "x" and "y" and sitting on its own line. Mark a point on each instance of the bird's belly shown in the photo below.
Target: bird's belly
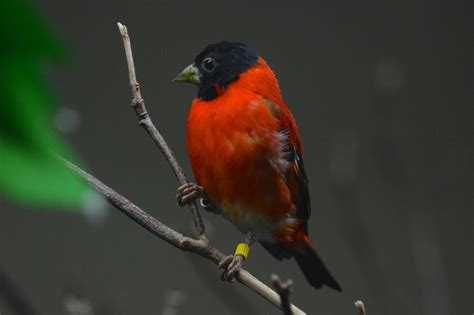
{"x": 245, "y": 220}
{"x": 244, "y": 179}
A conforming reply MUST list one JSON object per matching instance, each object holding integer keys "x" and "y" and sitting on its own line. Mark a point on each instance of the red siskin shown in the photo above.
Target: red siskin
{"x": 246, "y": 155}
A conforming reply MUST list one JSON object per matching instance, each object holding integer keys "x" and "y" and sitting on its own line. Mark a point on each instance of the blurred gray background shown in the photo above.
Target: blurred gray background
{"x": 382, "y": 93}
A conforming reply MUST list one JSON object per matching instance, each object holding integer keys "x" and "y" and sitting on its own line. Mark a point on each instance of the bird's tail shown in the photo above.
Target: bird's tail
{"x": 313, "y": 267}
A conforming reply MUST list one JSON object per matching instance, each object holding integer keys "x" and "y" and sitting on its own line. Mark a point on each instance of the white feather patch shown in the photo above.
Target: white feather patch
{"x": 280, "y": 160}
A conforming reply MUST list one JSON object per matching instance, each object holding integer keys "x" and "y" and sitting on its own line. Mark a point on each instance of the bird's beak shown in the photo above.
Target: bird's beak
{"x": 190, "y": 74}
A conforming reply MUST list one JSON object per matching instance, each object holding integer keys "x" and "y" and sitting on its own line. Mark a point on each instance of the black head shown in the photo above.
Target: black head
{"x": 218, "y": 64}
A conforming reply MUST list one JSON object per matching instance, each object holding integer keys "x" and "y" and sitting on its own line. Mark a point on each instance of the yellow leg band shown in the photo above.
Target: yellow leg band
{"x": 242, "y": 250}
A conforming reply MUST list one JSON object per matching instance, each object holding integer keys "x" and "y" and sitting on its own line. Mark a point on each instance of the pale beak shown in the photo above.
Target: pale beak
{"x": 190, "y": 74}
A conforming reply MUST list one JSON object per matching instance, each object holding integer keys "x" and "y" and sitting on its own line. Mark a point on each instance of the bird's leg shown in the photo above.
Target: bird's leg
{"x": 233, "y": 263}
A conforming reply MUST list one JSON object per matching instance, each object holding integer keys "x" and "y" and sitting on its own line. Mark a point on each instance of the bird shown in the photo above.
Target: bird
{"x": 246, "y": 154}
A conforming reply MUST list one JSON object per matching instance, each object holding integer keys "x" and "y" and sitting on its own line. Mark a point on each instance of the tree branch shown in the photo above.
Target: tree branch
{"x": 283, "y": 289}
{"x": 145, "y": 121}
{"x": 135, "y": 213}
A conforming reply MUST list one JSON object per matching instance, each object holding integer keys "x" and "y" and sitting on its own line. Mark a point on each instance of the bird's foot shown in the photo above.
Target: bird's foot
{"x": 232, "y": 266}
{"x": 188, "y": 193}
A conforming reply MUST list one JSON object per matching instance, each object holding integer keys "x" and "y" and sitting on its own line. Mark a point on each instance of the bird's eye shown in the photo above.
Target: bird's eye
{"x": 209, "y": 64}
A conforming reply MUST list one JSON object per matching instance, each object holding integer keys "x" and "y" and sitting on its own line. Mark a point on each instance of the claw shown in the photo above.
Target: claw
{"x": 187, "y": 193}
{"x": 232, "y": 266}
{"x": 225, "y": 262}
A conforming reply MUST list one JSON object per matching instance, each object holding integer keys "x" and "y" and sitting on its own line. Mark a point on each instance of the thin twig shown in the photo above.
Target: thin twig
{"x": 145, "y": 121}
{"x": 360, "y": 307}
{"x": 135, "y": 213}
{"x": 284, "y": 290}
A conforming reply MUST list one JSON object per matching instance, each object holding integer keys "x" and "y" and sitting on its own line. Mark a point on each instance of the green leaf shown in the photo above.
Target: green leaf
{"x": 29, "y": 170}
